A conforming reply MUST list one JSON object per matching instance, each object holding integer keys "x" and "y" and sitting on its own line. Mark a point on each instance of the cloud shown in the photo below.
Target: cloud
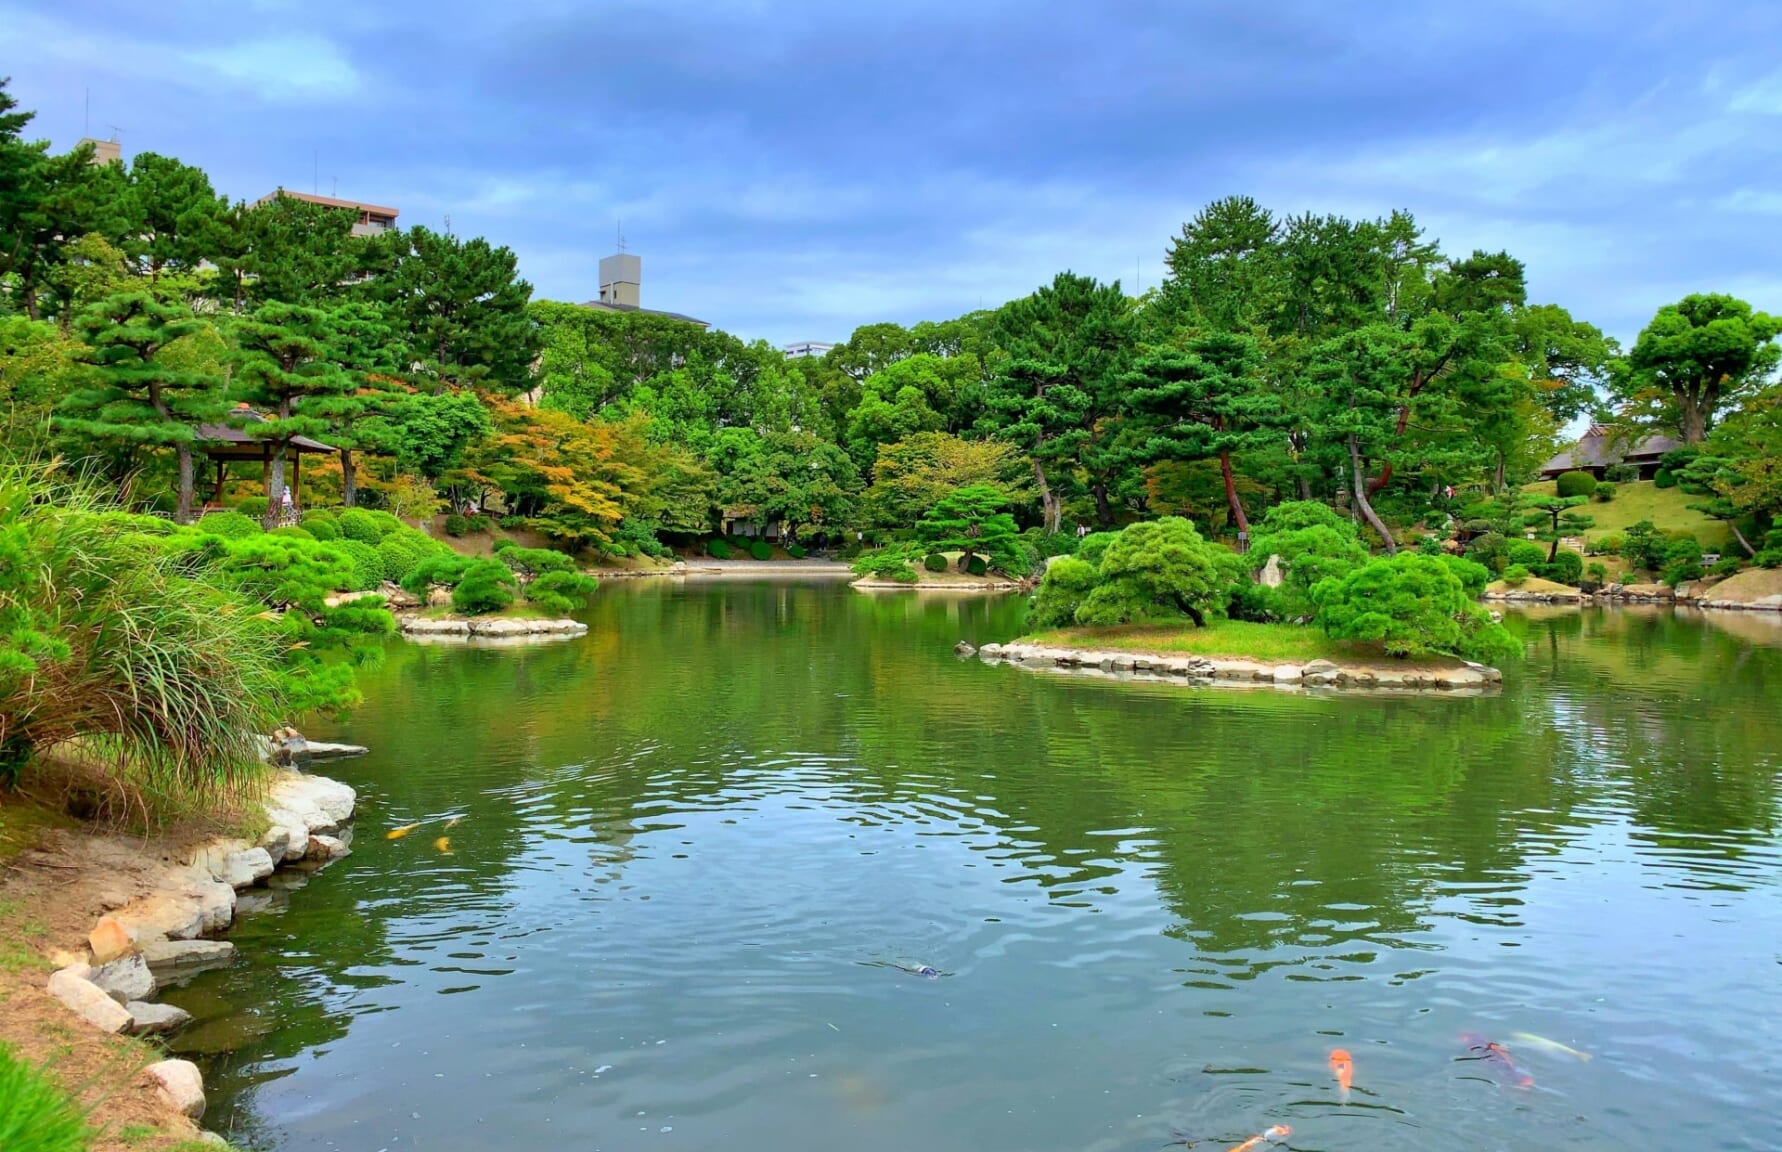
{"x": 291, "y": 70}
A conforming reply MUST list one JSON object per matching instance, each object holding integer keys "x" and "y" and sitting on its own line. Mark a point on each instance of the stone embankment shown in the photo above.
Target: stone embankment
{"x": 1385, "y": 676}
{"x": 480, "y": 627}
{"x": 169, "y": 932}
{"x": 1754, "y": 590}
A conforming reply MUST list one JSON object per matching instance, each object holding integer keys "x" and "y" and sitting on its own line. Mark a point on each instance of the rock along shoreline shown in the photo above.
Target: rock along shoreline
{"x": 170, "y": 933}
{"x": 1697, "y": 594}
{"x": 1458, "y": 678}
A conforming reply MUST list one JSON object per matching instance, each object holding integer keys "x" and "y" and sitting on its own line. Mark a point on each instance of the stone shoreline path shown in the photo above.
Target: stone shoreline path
{"x": 1457, "y": 676}
{"x": 169, "y": 933}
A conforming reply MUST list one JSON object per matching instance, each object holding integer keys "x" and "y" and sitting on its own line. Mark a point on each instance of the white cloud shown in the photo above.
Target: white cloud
{"x": 287, "y": 69}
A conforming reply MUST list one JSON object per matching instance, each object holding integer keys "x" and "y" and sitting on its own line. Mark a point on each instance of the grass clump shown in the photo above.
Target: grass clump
{"x": 35, "y": 1115}
{"x": 1238, "y": 639}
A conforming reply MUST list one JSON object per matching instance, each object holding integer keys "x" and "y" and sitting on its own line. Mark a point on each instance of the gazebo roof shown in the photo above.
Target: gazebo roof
{"x": 227, "y": 442}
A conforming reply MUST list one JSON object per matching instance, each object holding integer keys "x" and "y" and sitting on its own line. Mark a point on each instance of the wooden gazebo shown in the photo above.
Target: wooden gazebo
{"x": 225, "y": 443}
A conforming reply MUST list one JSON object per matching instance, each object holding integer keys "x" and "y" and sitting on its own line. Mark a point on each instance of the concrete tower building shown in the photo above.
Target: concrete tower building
{"x": 621, "y": 279}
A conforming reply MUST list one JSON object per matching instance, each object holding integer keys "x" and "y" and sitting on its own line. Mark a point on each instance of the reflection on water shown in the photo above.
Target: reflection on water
{"x": 703, "y": 847}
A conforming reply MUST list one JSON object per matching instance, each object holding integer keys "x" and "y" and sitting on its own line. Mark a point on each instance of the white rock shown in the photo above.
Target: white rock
{"x": 327, "y": 848}
{"x": 320, "y": 803}
{"x": 422, "y": 626}
{"x": 1288, "y": 675}
{"x": 124, "y": 979}
{"x": 164, "y": 914}
{"x": 275, "y": 840}
{"x": 247, "y": 868}
{"x": 88, "y": 1000}
{"x": 186, "y": 953}
{"x": 180, "y": 1085}
{"x": 322, "y": 750}
{"x": 146, "y": 1017}
{"x": 216, "y": 905}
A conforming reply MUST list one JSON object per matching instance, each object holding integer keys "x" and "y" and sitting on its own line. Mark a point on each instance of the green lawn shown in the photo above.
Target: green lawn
{"x": 1667, "y": 508}
{"x": 1268, "y": 643}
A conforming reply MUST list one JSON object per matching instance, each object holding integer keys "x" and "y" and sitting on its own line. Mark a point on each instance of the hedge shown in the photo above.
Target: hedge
{"x": 229, "y": 525}
{"x": 1572, "y": 484}
{"x": 760, "y": 551}
{"x": 321, "y": 525}
{"x": 796, "y": 551}
{"x": 977, "y": 566}
{"x": 718, "y": 550}
{"x": 934, "y": 562}
{"x": 361, "y": 525}
{"x": 368, "y": 566}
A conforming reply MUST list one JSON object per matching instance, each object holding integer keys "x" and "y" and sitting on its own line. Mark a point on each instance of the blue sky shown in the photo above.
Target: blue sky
{"x": 790, "y": 170}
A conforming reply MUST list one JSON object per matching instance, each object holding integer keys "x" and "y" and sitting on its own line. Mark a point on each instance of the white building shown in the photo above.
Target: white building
{"x": 811, "y": 348}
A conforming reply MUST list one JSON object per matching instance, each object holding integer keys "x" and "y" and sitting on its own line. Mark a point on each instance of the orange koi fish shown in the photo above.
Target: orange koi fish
{"x": 1342, "y": 1066}
{"x": 399, "y": 833}
{"x": 1498, "y": 1056}
{"x": 443, "y": 845}
{"x": 1278, "y": 1132}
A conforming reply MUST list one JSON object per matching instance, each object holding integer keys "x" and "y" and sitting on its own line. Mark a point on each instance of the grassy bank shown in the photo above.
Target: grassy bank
{"x": 1234, "y": 639}
{"x": 1667, "y": 508}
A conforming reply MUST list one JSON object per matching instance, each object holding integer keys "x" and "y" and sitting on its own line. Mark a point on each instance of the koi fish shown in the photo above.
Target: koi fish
{"x": 443, "y": 845}
{"x": 1342, "y": 1066}
{"x": 453, "y": 822}
{"x": 399, "y": 833}
{"x": 1553, "y": 1047}
{"x": 1497, "y": 1055}
{"x": 1278, "y": 1132}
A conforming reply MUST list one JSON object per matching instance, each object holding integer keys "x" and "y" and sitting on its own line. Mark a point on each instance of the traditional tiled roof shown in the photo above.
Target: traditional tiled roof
{"x": 1601, "y": 446}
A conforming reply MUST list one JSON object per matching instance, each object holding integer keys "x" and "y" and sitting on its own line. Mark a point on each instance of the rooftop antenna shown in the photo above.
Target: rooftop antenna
{"x": 86, "y": 114}
{"x": 619, "y": 233}
{"x": 334, "y": 188}
{"x": 448, "y": 223}
{"x": 315, "y": 175}
{"x": 115, "y": 132}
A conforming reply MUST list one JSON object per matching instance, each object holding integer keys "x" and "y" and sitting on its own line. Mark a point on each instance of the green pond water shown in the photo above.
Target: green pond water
{"x": 697, "y": 843}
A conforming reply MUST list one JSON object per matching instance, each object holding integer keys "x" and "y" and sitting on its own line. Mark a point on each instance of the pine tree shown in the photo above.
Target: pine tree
{"x": 288, "y": 371}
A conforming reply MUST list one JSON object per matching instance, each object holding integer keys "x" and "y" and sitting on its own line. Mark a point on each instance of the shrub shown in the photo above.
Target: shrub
{"x": 1489, "y": 550}
{"x": 1473, "y": 576}
{"x": 1621, "y": 473}
{"x": 1664, "y": 478}
{"x": 1516, "y": 575}
{"x": 1644, "y": 546}
{"x": 485, "y": 586}
{"x": 1609, "y": 545}
{"x": 1682, "y": 561}
{"x": 796, "y": 551}
{"x": 254, "y": 506}
{"x": 443, "y": 567}
{"x": 360, "y": 524}
{"x": 1524, "y": 552}
{"x": 1768, "y": 558}
{"x": 1156, "y": 567}
{"x": 1572, "y": 484}
{"x": 1411, "y": 605}
{"x": 977, "y": 566}
{"x": 1596, "y": 573}
{"x": 399, "y": 552}
{"x": 1314, "y": 544}
{"x": 229, "y": 525}
{"x": 718, "y": 550}
{"x": 970, "y": 520}
{"x": 321, "y": 525}
{"x": 35, "y": 1116}
{"x": 561, "y": 591}
{"x": 1095, "y": 545}
{"x": 368, "y": 566}
{"x": 534, "y": 561}
{"x": 1605, "y": 492}
{"x": 934, "y": 562}
{"x": 292, "y": 530}
{"x": 852, "y": 550}
{"x": 1724, "y": 567}
{"x": 1566, "y": 567}
{"x": 1067, "y": 582}
{"x": 759, "y": 550}
{"x": 456, "y": 525}
{"x": 514, "y": 523}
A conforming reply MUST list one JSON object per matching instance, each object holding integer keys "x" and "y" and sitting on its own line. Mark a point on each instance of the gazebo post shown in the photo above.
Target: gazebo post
{"x": 265, "y": 464}
{"x": 217, "y": 499}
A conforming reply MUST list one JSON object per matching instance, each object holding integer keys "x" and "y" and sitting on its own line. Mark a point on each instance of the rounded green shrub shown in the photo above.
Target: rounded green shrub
{"x": 1566, "y": 567}
{"x": 534, "y": 561}
{"x": 486, "y": 586}
{"x": 1488, "y": 550}
{"x": 229, "y": 525}
{"x": 796, "y": 551}
{"x": 561, "y": 591}
{"x": 977, "y": 565}
{"x": 1605, "y": 492}
{"x": 1062, "y": 590}
{"x": 1516, "y": 575}
{"x": 456, "y": 525}
{"x": 1572, "y": 484}
{"x": 254, "y": 506}
{"x": 1725, "y": 566}
{"x": 503, "y": 545}
{"x": 1597, "y": 573}
{"x": 1664, "y": 478}
{"x": 440, "y": 567}
{"x": 934, "y": 562}
{"x": 1472, "y": 575}
{"x": 361, "y": 524}
{"x": 1412, "y": 605}
{"x": 1526, "y": 553}
{"x": 513, "y": 523}
{"x": 759, "y": 550}
{"x": 1095, "y": 545}
{"x": 399, "y": 553}
{"x": 717, "y": 550}
{"x": 1609, "y": 545}
{"x": 293, "y": 530}
{"x": 368, "y": 569}
{"x": 321, "y": 525}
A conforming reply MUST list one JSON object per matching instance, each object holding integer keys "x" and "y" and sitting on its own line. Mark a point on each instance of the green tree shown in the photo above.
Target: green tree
{"x": 1742, "y": 465}
{"x": 1695, "y": 359}
{"x": 1206, "y": 401}
{"x": 971, "y": 521}
{"x": 287, "y": 370}
{"x": 135, "y": 397}
{"x": 795, "y": 479}
{"x": 174, "y": 217}
{"x": 1555, "y": 517}
{"x": 1225, "y": 269}
{"x": 916, "y": 472}
{"x": 1411, "y": 605}
{"x": 1058, "y": 395}
{"x": 287, "y": 250}
{"x": 1314, "y": 544}
{"x": 1156, "y": 566}
{"x": 427, "y": 433}
{"x": 459, "y": 304}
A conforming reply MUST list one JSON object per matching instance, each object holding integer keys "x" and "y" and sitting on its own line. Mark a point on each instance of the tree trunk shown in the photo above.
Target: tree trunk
{"x": 186, "y": 483}
{"x": 349, "y": 484}
{"x": 1104, "y": 512}
{"x": 1499, "y": 477}
{"x": 1193, "y": 613}
{"x": 1740, "y": 537}
{"x": 1233, "y": 499}
{"x": 1361, "y": 503}
{"x": 1305, "y": 487}
{"x": 1053, "y": 511}
{"x": 275, "y": 487}
{"x": 1692, "y": 423}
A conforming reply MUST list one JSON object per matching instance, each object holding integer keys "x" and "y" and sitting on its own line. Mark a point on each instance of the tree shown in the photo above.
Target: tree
{"x": 795, "y": 479}
{"x": 1225, "y": 267}
{"x": 1058, "y": 394}
{"x": 1411, "y": 605}
{"x": 1156, "y": 565}
{"x": 575, "y": 480}
{"x": 459, "y": 304}
{"x": 287, "y": 250}
{"x": 1208, "y": 401}
{"x": 427, "y": 433}
{"x": 1314, "y": 544}
{"x": 135, "y": 397}
{"x": 1360, "y": 376}
{"x": 174, "y": 216}
{"x": 1568, "y": 360}
{"x": 971, "y": 521}
{"x": 1695, "y": 359}
{"x": 1554, "y": 518}
{"x": 288, "y": 371}
{"x": 916, "y": 472}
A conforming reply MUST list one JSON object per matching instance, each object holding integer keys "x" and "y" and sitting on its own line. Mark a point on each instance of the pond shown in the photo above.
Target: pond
{"x": 699, "y": 850}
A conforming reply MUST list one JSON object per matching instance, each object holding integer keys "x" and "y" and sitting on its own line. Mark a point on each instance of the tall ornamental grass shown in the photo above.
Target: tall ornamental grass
{"x": 35, "y": 1116}
{"x": 114, "y": 659}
